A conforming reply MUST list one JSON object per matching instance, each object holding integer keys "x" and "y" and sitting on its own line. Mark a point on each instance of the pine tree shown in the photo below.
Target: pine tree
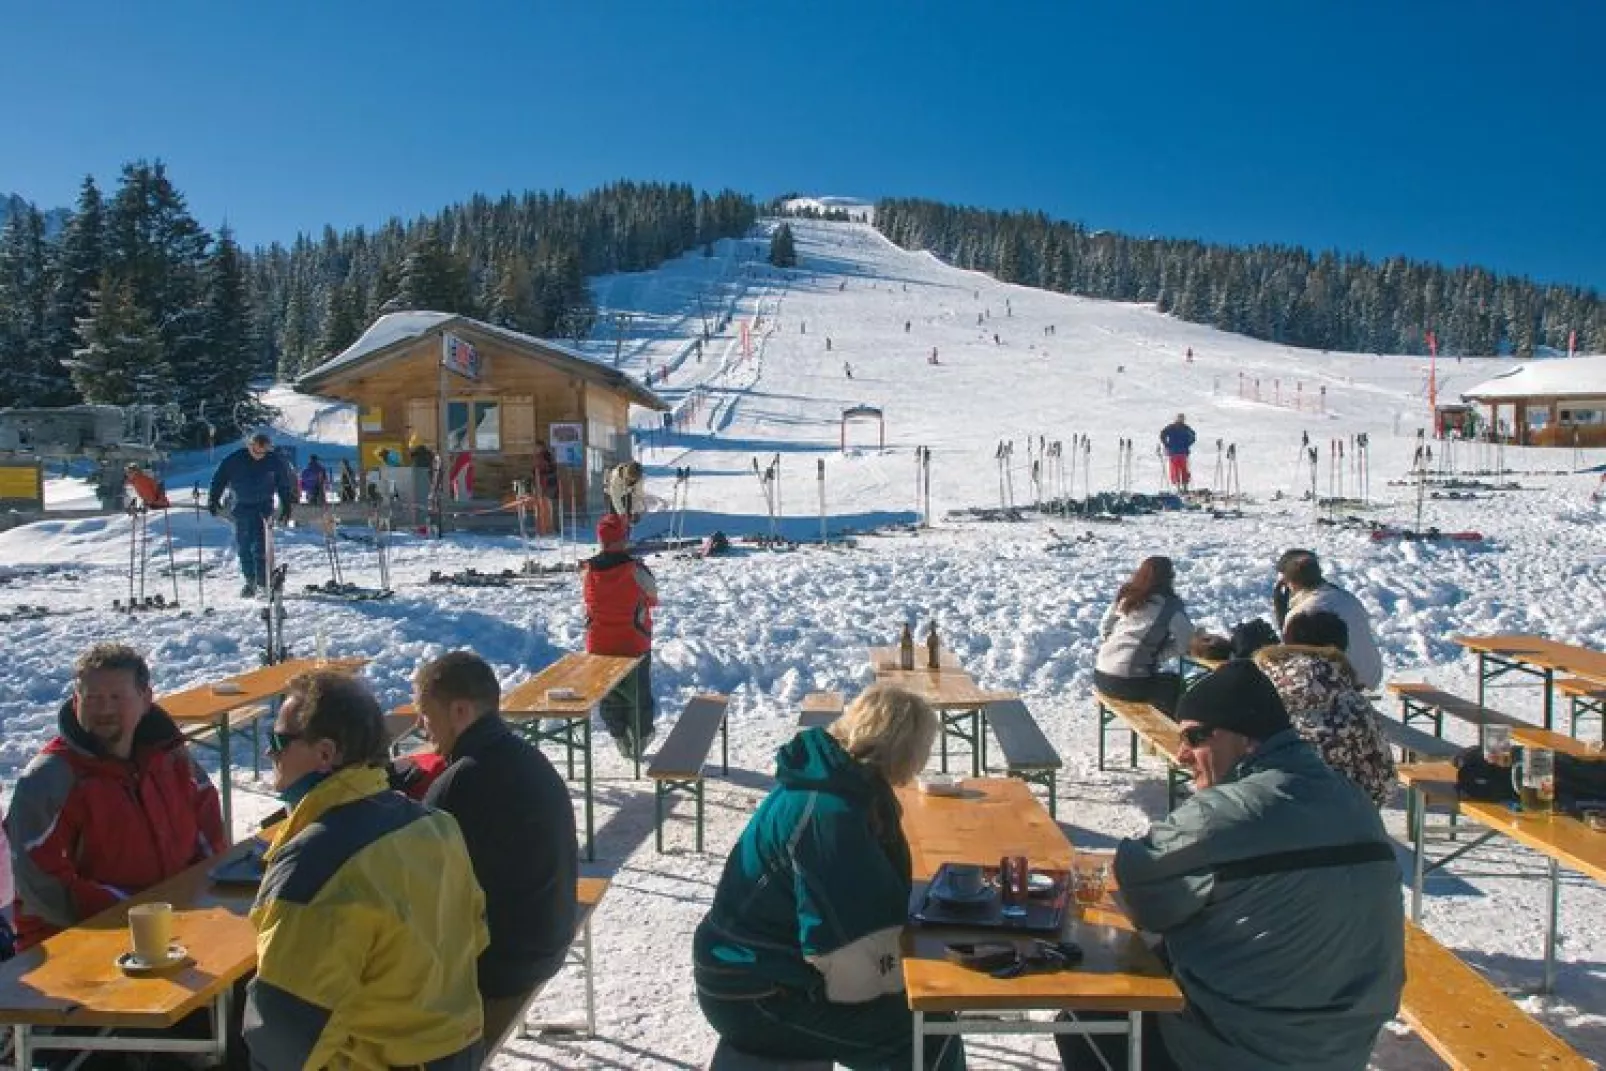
{"x": 25, "y": 284}
{"x": 783, "y": 248}
{"x": 122, "y": 360}
{"x": 79, "y": 264}
{"x": 340, "y": 321}
{"x": 226, "y": 386}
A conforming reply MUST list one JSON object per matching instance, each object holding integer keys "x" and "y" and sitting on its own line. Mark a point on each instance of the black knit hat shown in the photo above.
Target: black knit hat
{"x": 1237, "y": 697}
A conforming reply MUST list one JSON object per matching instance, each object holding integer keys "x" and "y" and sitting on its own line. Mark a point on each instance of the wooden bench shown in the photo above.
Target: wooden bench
{"x": 1027, "y": 753}
{"x": 1156, "y": 729}
{"x": 1414, "y": 743}
{"x": 589, "y": 893}
{"x": 1466, "y": 1020}
{"x": 729, "y": 1058}
{"x": 205, "y": 734}
{"x": 1419, "y": 700}
{"x": 678, "y": 766}
{"x": 819, "y": 709}
{"x": 1588, "y": 700}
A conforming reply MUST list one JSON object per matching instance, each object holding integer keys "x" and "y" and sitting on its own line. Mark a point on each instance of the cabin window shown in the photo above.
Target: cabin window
{"x": 1583, "y": 416}
{"x": 474, "y": 426}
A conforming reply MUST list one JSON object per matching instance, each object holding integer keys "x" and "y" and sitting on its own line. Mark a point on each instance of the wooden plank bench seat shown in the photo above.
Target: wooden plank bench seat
{"x": 1418, "y": 700}
{"x": 1588, "y": 699}
{"x": 589, "y": 892}
{"x": 678, "y": 766}
{"x": 1414, "y": 743}
{"x": 819, "y": 709}
{"x": 1469, "y": 1023}
{"x": 1027, "y": 753}
{"x": 1155, "y": 728}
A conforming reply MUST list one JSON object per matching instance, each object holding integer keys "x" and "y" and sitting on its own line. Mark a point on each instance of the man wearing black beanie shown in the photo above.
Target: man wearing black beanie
{"x": 1275, "y": 893}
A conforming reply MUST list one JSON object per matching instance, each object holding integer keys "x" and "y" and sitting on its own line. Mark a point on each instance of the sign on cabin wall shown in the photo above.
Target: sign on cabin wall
{"x": 459, "y": 355}
{"x": 22, "y": 486}
{"x": 371, "y": 418}
{"x": 568, "y": 444}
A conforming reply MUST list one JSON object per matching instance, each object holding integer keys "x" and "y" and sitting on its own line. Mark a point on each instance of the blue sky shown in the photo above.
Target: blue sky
{"x": 1466, "y": 132}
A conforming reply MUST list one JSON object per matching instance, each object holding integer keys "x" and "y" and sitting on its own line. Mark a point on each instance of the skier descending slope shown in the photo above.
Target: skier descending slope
{"x": 255, "y": 474}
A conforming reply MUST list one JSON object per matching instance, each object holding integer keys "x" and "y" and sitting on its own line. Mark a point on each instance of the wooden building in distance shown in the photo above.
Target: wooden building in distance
{"x": 1557, "y": 402}
{"x": 480, "y": 397}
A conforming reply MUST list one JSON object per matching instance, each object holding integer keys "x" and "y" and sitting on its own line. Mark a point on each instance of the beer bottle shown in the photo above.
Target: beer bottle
{"x": 906, "y": 648}
{"x": 933, "y": 659}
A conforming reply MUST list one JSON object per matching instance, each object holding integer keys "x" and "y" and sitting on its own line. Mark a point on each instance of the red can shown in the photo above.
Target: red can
{"x": 1013, "y": 880}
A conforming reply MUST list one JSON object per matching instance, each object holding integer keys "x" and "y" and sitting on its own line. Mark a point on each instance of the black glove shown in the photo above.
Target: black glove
{"x": 212, "y": 508}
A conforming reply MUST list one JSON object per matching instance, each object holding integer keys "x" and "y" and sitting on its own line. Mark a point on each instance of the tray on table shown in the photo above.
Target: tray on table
{"x": 1045, "y": 911}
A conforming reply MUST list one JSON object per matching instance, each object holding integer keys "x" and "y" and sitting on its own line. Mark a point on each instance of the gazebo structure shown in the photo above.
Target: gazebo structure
{"x": 1559, "y": 402}
{"x": 480, "y": 397}
{"x": 862, "y": 412}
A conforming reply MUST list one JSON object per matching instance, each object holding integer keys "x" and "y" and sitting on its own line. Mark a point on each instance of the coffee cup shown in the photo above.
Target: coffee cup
{"x": 964, "y": 879}
{"x": 151, "y": 927}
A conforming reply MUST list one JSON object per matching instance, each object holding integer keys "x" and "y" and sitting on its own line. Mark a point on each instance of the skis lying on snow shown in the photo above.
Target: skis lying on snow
{"x": 335, "y": 589}
{"x": 507, "y": 578}
{"x": 1384, "y": 533}
{"x": 25, "y": 612}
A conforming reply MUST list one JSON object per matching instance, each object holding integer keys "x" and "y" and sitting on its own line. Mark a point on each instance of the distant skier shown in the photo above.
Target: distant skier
{"x": 906, "y": 327}
{"x": 827, "y": 343}
{"x": 1177, "y": 439}
{"x": 315, "y": 483}
{"x": 256, "y": 474}
{"x": 847, "y": 369}
{"x": 933, "y": 358}
{"x": 997, "y": 341}
{"x": 1190, "y": 354}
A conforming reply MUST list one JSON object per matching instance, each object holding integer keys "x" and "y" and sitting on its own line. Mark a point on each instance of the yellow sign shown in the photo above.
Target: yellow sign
{"x": 377, "y": 453}
{"x": 21, "y": 482}
{"x": 371, "y": 418}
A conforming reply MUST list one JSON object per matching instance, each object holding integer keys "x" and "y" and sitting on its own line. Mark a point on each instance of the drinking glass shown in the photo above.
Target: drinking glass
{"x": 1088, "y": 881}
{"x": 1537, "y": 784}
{"x": 1497, "y": 745}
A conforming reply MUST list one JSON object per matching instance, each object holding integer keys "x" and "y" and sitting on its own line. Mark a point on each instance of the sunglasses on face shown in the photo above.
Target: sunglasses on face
{"x": 1196, "y": 735}
{"x": 279, "y": 742}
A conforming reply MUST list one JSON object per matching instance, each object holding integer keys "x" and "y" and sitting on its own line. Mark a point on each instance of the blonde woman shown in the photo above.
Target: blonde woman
{"x": 799, "y": 958}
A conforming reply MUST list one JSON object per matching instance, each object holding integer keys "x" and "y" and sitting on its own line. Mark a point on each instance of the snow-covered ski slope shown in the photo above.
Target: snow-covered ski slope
{"x": 1018, "y": 602}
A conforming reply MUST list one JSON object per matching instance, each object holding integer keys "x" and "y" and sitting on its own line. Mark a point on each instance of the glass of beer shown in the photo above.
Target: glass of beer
{"x": 1537, "y": 785}
{"x": 1497, "y": 745}
{"x": 1088, "y": 880}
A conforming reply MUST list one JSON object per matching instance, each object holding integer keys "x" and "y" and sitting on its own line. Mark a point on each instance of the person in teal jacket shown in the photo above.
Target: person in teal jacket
{"x": 799, "y": 956}
{"x": 1275, "y": 891}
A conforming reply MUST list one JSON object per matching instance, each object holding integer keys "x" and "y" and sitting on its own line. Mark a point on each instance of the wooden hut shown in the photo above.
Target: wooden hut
{"x": 1559, "y": 402}
{"x": 480, "y": 398}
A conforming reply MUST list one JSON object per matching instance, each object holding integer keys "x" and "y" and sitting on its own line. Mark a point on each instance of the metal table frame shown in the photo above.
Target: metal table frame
{"x": 1417, "y": 816}
{"x": 966, "y": 1023}
{"x": 216, "y": 1044}
{"x": 1510, "y": 664}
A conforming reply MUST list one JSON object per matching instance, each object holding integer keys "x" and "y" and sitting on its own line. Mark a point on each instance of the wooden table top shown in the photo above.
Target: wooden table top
{"x": 1540, "y": 651}
{"x": 72, "y": 979}
{"x": 1561, "y": 837}
{"x": 591, "y": 676}
{"x": 203, "y": 703}
{"x": 946, "y": 689}
{"x": 1532, "y": 736}
{"x": 886, "y": 658}
{"x": 994, "y": 816}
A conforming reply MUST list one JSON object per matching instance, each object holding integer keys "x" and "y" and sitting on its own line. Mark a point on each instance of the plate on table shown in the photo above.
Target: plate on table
{"x": 227, "y": 688}
{"x": 942, "y": 785}
{"x": 131, "y": 962}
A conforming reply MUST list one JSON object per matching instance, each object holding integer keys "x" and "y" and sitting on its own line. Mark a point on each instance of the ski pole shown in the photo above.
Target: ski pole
{"x": 200, "y": 562}
{"x": 819, "y": 475}
{"x": 172, "y": 559}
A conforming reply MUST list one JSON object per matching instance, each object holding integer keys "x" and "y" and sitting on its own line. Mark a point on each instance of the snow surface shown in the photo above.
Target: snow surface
{"x": 1019, "y": 605}
{"x": 1578, "y": 377}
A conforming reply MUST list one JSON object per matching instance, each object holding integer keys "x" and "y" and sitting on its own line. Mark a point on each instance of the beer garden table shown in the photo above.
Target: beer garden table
{"x": 205, "y": 705}
{"x": 1535, "y": 656}
{"x": 997, "y": 816}
{"x": 959, "y": 702}
{"x": 1560, "y": 838}
{"x": 71, "y": 981}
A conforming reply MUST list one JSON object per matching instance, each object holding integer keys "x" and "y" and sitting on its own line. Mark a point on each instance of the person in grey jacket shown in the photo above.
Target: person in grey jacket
{"x": 1275, "y": 893}
{"x": 1144, "y": 628}
{"x": 1301, "y": 589}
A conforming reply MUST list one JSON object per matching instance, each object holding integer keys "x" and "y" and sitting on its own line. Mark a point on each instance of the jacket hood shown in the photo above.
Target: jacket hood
{"x": 155, "y": 729}
{"x": 814, "y": 761}
{"x": 1285, "y": 655}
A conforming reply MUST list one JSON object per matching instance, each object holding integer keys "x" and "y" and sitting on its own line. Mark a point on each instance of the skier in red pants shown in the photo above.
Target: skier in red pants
{"x": 1177, "y": 439}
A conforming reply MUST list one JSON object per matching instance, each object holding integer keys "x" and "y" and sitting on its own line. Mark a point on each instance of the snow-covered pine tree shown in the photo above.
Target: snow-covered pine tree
{"x": 122, "y": 361}
{"x": 783, "y": 247}
{"x": 25, "y": 284}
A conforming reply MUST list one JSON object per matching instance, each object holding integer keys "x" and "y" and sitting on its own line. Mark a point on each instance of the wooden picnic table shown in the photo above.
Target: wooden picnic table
{"x": 592, "y": 677}
{"x": 71, "y": 981}
{"x": 205, "y": 705}
{"x": 1531, "y": 736}
{"x": 960, "y": 703}
{"x": 1118, "y": 974}
{"x": 1560, "y": 838}
{"x": 887, "y": 658}
{"x": 1535, "y": 656}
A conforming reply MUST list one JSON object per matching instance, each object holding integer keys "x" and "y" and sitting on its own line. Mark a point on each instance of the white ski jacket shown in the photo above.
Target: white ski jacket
{"x": 1138, "y": 644}
{"x": 1363, "y": 654}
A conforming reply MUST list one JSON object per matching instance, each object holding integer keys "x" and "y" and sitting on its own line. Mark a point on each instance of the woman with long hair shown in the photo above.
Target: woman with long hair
{"x": 1144, "y": 628}
{"x": 799, "y": 956}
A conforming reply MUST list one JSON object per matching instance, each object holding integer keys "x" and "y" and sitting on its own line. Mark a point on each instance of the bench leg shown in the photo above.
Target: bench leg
{"x": 225, "y": 768}
{"x": 724, "y": 746}
{"x": 1053, "y": 797}
{"x": 698, "y": 789}
{"x": 585, "y": 742}
{"x": 1104, "y": 724}
{"x": 658, "y": 815}
{"x": 944, "y": 735}
{"x": 1134, "y": 747}
{"x": 979, "y": 726}
{"x": 591, "y": 983}
{"x": 1552, "y": 911}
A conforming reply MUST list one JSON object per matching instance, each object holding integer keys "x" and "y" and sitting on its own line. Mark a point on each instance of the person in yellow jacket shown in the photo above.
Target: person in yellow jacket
{"x": 369, "y": 921}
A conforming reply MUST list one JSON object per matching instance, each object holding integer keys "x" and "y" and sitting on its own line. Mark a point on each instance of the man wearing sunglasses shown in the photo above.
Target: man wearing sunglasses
{"x": 368, "y": 920}
{"x": 1275, "y": 894}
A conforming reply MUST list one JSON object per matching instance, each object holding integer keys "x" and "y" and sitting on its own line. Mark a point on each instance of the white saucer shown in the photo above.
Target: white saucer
{"x": 130, "y": 963}
{"x": 942, "y": 785}
{"x": 561, "y": 695}
{"x": 227, "y": 688}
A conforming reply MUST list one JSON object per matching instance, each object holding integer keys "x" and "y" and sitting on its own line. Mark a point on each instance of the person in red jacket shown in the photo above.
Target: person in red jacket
{"x": 111, "y": 806}
{"x": 619, "y": 596}
{"x": 150, "y": 492}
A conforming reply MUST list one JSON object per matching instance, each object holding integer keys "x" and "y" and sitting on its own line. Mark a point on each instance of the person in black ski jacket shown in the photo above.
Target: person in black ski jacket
{"x": 255, "y": 474}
